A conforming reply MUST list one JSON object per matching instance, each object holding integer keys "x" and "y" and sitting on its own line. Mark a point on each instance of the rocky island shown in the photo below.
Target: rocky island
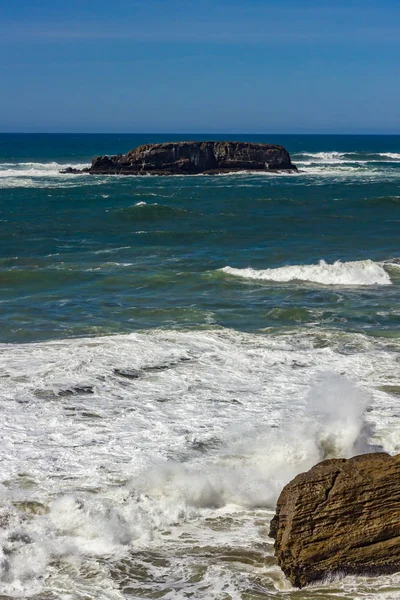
{"x": 191, "y": 158}
{"x": 341, "y": 517}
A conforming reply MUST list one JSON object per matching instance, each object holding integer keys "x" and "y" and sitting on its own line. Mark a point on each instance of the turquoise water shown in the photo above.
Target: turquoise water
{"x": 87, "y": 255}
{"x": 174, "y": 350}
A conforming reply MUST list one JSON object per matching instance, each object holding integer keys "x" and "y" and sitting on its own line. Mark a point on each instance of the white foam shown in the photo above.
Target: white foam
{"x": 318, "y": 166}
{"x": 363, "y": 272}
{"x": 144, "y": 464}
{"x": 43, "y": 175}
{"x": 393, "y": 155}
{"x": 354, "y": 169}
{"x": 341, "y": 165}
{"x": 33, "y": 169}
{"x": 326, "y": 157}
{"x": 343, "y": 157}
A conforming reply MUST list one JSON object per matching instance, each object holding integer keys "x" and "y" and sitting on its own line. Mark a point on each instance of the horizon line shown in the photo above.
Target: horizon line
{"x": 197, "y": 133}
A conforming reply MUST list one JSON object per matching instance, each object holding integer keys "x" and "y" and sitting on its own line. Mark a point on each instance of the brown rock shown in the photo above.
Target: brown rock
{"x": 195, "y": 157}
{"x": 341, "y": 517}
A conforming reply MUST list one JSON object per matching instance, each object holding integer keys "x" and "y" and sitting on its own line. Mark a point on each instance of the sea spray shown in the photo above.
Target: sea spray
{"x": 338, "y": 412}
{"x": 245, "y": 474}
{"x": 203, "y": 460}
{"x": 252, "y": 471}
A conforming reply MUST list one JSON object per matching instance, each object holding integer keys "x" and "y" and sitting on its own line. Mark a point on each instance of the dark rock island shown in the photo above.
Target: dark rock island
{"x": 190, "y": 158}
{"x": 341, "y": 517}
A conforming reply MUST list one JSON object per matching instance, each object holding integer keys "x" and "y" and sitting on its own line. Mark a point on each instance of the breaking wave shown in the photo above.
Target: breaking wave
{"x": 316, "y": 164}
{"x": 393, "y": 155}
{"x": 36, "y": 174}
{"x": 363, "y": 272}
{"x": 35, "y": 169}
{"x": 328, "y": 157}
{"x": 232, "y": 422}
{"x": 335, "y": 156}
{"x": 233, "y": 418}
{"x": 350, "y": 159}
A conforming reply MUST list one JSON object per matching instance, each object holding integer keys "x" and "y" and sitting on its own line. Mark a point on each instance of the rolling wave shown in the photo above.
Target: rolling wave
{"x": 364, "y": 272}
{"x": 373, "y": 166}
{"x": 334, "y": 157}
{"x": 393, "y": 155}
{"x": 36, "y": 169}
{"x": 37, "y": 174}
{"x": 142, "y": 211}
{"x": 327, "y": 157}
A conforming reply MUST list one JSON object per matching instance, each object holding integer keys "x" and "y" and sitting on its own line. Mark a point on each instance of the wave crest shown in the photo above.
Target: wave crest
{"x": 328, "y": 157}
{"x": 363, "y": 272}
{"x": 393, "y": 155}
{"x": 142, "y": 211}
{"x": 36, "y": 169}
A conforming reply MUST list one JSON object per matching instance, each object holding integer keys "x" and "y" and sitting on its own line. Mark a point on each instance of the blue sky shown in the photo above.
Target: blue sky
{"x": 255, "y": 66}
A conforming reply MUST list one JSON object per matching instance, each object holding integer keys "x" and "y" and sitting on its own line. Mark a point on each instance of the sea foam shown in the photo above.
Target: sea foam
{"x": 393, "y": 155}
{"x": 363, "y": 272}
{"x": 35, "y": 169}
{"x": 328, "y": 157}
{"x": 215, "y": 425}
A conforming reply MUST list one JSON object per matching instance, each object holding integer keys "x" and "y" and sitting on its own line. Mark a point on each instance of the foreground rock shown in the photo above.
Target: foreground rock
{"x": 192, "y": 158}
{"x": 341, "y": 517}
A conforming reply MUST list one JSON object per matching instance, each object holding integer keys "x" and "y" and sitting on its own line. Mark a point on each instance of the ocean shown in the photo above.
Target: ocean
{"x": 175, "y": 349}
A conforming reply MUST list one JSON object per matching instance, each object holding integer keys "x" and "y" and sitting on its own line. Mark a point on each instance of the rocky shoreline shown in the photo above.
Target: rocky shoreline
{"x": 192, "y": 158}
{"x": 341, "y": 517}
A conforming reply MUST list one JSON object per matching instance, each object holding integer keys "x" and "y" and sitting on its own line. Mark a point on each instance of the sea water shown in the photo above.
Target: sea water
{"x": 175, "y": 349}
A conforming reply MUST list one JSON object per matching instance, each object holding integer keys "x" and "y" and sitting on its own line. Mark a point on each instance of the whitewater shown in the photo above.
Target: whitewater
{"x": 199, "y": 399}
{"x": 174, "y": 350}
{"x": 351, "y": 273}
{"x": 329, "y": 164}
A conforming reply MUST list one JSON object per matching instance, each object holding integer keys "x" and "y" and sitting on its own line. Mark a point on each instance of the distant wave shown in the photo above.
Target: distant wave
{"x": 142, "y": 211}
{"x": 318, "y": 165}
{"x": 334, "y": 157}
{"x": 36, "y": 169}
{"x": 394, "y": 155}
{"x": 328, "y": 157}
{"x": 363, "y": 272}
{"x": 40, "y": 175}
{"x": 371, "y": 165}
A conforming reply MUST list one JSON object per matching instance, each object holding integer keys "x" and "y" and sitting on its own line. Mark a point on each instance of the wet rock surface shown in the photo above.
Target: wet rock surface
{"x": 192, "y": 158}
{"x": 341, "y": 517}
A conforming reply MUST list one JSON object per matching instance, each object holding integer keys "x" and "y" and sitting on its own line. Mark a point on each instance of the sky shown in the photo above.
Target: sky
{"x": 200, "y": 66}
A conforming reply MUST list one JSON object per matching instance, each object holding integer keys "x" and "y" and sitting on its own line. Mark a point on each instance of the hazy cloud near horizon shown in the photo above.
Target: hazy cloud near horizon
{"x": 178, "y": 61}
{"x": 260, "y": 23}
